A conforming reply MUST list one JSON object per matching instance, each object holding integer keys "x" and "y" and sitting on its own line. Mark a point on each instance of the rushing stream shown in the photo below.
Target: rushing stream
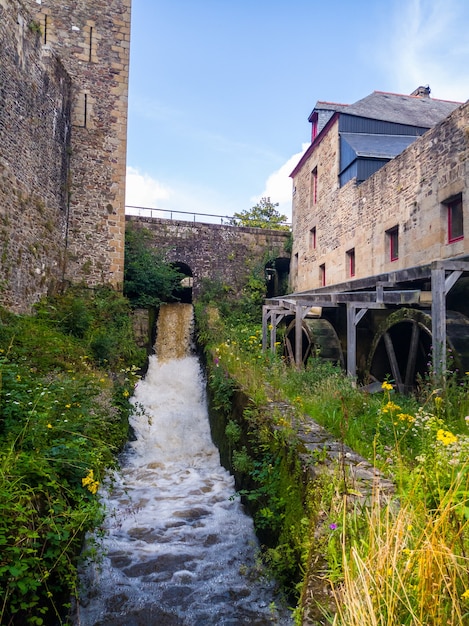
{"x": 178, "y": 550}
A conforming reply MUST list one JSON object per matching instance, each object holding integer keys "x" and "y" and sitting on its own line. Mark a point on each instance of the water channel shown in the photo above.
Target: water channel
{"x": 177, "y": 549}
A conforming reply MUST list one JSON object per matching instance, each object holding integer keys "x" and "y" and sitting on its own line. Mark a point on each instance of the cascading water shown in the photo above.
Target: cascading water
{"x": 178, "y": 550}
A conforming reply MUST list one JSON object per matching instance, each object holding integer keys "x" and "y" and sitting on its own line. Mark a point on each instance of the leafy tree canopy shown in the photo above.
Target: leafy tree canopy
{"x": 148, "y": 279}
{"x": 263, "y": 215}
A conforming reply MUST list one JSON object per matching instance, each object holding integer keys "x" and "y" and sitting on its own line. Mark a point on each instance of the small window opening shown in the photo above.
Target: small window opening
{"x": 314, "y": 185}
{"x": 91, "y": 44}
{"x": 312, "y": 238}
{"x": 85, "y": 111}
{"x": 322, "y": 274}
{"x": 393, "y": 243}
{"x": 455, "y": 219}
{"x": 351, "y": 262}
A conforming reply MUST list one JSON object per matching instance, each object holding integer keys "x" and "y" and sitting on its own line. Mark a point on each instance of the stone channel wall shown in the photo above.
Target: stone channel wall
{"x": 317, "y": 454}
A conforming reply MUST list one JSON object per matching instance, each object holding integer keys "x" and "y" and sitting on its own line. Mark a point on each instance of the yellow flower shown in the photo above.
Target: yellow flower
{"x": 465, "y": 595}
{"x": 386, "y": 386}
{"x": 446, "y": 437}
{"x": 67, "y": 406}
{"x": 125, "y": 394}
{"x": 49, "y": 425}
{"x": 390, "y": 406}
{"x": 405, "y": 417}
{"x": 89, "y": 482}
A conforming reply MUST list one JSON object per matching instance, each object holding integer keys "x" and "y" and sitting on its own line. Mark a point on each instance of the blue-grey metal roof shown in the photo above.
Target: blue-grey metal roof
{"x": 377, "y": 146}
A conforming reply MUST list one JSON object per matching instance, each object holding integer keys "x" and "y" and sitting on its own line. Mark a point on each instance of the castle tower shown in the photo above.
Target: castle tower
{"x": 92, "y": 40}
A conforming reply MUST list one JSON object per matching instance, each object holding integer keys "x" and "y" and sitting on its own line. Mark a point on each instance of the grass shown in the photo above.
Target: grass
{"x": 396, "y": 561}
{"x": 63, "y": 418}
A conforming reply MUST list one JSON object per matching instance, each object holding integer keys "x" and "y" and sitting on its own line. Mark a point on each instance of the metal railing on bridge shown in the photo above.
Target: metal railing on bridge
{"x": 142, "y": 211}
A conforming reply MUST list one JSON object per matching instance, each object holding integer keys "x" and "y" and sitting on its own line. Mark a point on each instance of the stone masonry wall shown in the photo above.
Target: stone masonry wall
{"x": 408, "y": 192}
{"x": 92, "y": 38}
{"x": 35, "y": 102}
{"x": 212, "y": 251}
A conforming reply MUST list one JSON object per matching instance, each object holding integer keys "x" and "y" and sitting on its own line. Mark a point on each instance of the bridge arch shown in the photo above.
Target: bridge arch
{"x": 218, "y": 252}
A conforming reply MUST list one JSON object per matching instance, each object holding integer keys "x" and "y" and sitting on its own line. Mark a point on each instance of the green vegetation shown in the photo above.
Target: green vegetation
{"x": 148, "y": 279}
{"x": 66, "y": 374}
{"x": 355, "y": 559}
{"x": 262, "y": 215}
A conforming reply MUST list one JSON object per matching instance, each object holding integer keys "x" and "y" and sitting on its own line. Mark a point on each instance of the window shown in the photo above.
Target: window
{"x": 392, "y": 236}
{"x": 314, "y": 186}
{"x": 314, "y": 127}
{"x": 350, "y": 254}
{"x": 455, "y": 219}
{"x": 322, "y": 275}
{"x": 312, "y": 238}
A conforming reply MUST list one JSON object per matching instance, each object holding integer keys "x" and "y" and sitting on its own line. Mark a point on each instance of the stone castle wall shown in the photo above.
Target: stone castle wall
{"x": 63, "y": 126}
{"x": 409, "y": 192}
{"x": 35, "y": 105}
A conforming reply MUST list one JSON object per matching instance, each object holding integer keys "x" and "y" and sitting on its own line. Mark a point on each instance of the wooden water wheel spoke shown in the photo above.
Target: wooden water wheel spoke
{"x": 289, "y": 350}
{"x": 396, "y": 374}
{"x": 412, "y": 355}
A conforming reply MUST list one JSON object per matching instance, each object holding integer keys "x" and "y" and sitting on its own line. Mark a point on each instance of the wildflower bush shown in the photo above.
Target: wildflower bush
{"x": 63, "y": 417}
{"x": 400, "y": 559}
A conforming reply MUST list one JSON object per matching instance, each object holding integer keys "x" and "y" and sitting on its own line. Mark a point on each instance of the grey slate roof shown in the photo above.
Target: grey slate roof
{"x": 377, "y": 146}
{"x": 391, "y": 107}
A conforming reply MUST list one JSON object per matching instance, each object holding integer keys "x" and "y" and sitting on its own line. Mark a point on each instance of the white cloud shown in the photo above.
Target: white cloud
{"x": 144, "y": 191}
{"x": 431, "y": 47}
{"x": 278, "y": 186}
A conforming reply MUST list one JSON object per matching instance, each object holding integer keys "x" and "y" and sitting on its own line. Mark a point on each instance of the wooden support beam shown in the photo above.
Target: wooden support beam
{"x": 439, "y": 323}
{"x": 298, "y": 335}
{"x": 265, "y": 322}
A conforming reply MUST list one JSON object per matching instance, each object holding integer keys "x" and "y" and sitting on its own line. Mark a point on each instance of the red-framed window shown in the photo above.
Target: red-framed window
{"x": 312, "y": 238}
{"x": 322, "y": 274}
{"x": 455, "y": 219}
{"x": 392, "y": 236}
{"x": 351, "y": 262}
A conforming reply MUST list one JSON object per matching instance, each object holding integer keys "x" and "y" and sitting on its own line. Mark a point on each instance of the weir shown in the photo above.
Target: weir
{"x": 177, "y": 548}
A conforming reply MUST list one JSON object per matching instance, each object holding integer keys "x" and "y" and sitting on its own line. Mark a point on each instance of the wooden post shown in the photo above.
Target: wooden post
{"x": 439, "y": 323}
{"x": 298, "y": 336}
{"x": 353, "y": 318}
{"x": 351, "y": 341}
{"x": 273, "y": 331}
{"x": 265, "y": 314}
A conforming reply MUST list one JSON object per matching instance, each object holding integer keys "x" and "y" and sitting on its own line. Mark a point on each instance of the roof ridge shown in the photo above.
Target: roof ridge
{"x": 392, "y": 93}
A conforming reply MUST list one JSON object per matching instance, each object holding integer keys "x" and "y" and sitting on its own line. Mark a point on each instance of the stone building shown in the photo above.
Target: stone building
{"x": 375, "y": 190}
{"x": 380, "y": 260}
{"x": 63, "y": 126}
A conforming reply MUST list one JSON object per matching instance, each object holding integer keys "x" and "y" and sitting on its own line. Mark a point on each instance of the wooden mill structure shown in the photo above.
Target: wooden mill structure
{"x": 380, "y": 260}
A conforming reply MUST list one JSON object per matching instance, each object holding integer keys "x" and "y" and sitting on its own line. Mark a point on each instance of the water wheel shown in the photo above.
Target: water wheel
{"x": 318, "y": 338}
{"x": 401, "y": 349}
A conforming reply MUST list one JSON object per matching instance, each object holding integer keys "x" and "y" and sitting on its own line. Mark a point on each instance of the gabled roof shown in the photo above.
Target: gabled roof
{"x": 377, "y": 146}
{"x": 423, "y": 112}
{"x": 412, "y": 110}
{"x": 419, "y": 111}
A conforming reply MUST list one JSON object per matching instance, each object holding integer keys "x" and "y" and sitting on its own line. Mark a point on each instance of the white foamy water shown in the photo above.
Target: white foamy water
{"x": 178, "y": 549}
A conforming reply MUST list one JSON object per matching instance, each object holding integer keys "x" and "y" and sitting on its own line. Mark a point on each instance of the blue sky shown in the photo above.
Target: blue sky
{"x": 221, "y": 90}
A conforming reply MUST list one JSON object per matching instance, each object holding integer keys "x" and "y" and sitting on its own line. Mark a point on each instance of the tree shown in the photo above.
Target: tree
{"x": 148, "y": 279}
{"x": 262, "y": 215}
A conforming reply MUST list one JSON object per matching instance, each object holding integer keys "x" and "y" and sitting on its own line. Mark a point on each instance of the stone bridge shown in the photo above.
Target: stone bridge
{"x": 218, "y": 252}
